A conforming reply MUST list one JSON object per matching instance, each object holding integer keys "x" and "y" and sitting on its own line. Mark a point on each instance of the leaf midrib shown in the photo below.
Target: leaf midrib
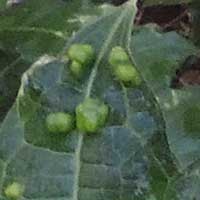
{"x": 102, "y": 53}
{"x": 88, "y": 90}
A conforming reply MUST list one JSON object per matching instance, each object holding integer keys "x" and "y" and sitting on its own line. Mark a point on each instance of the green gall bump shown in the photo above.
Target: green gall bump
{"x": 127, "y": 73}
{"x": 192, "y": 120}
{"x": 14, "y": 191}
{"x": 118, "y": 56}
{"x": 122, "y": 67}
{"x": 59, "y": 122}
{"x": 91, "y": 115}
{"x": 81, "y": 53}
{"x": 76, "y": 68}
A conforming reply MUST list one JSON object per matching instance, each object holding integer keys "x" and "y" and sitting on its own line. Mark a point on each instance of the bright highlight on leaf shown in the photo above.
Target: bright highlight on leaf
{"x": 59, "y": 122}
{"x": 122, "y": 67}
{"x": 91, "y": 115}
{"x": 14, "y": 191}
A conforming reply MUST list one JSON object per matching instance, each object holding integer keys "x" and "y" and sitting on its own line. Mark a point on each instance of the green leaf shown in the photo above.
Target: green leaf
{"x": 184, "y": 187}
{"x": 11, "y": 68}
{"x": 37, "y": 27}
{"x": 27, "y": 31}
{"x": 158, "y": 56}
{"x": 2, "y": 4}
{"x": 149, "y": 141}
{"x": 112, "y": 164}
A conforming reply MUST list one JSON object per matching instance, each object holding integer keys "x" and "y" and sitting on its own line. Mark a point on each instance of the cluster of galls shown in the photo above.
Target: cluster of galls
{"x": 81, "y": 56}
{"x": 91, "y": 114}
{"x": 122, "y": 67}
